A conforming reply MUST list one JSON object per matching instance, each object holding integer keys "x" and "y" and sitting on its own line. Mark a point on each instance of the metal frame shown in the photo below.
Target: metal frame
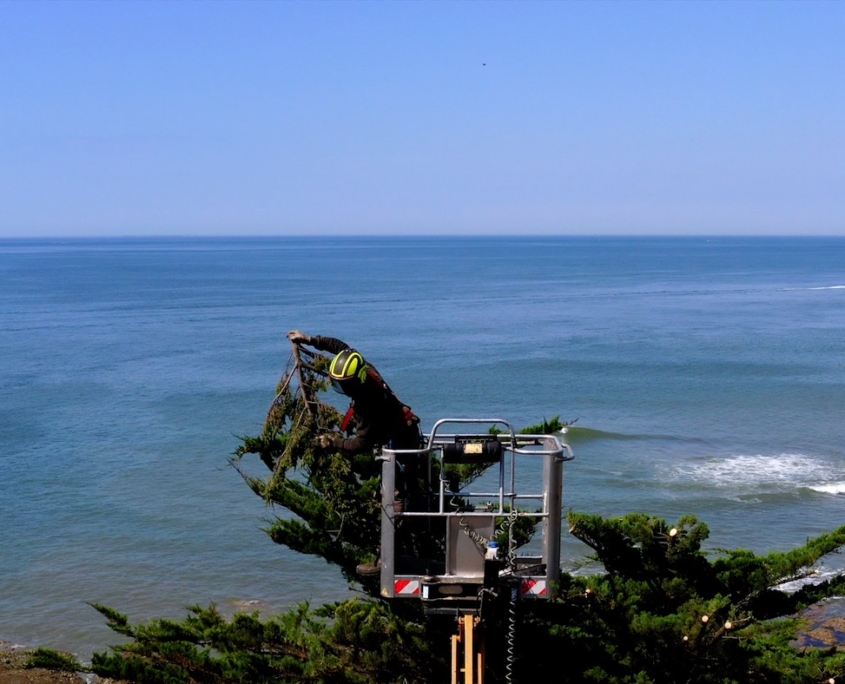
{"x": 500, "y": 504}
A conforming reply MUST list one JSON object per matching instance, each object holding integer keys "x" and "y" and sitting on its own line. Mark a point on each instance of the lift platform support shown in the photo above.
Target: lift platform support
{"x": 466, "y": 576}
{"x": 467, "y": 652}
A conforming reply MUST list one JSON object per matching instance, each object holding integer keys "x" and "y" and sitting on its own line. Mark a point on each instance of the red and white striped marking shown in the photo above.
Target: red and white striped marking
{"x": 533, "y": 588}
{"x": 404, "y": 587}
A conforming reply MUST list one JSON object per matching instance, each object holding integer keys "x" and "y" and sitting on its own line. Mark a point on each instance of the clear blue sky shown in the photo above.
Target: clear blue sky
{"x": 272, "y": 118}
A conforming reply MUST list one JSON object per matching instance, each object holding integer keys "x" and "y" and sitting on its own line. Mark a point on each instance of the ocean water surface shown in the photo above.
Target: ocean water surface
{"x": 705, "y": 376}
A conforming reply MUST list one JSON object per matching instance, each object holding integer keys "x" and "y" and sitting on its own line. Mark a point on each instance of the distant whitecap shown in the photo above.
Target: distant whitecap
{"x": 759, "y": 472}
{"x": 822, "y": 287}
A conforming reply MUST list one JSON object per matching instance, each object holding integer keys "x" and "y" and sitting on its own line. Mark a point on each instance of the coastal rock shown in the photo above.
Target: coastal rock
{"x": 826, "y": 625}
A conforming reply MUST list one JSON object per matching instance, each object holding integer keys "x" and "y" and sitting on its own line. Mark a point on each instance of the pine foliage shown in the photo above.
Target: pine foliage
{"x": 335, "y": 499}
{"x": 663, "y": 612}
{"x": 50, "y": 659}
{"x": 354, "y": 642}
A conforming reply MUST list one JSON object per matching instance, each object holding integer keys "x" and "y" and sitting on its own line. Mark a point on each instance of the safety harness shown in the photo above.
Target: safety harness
{"x": 409, "y": 417}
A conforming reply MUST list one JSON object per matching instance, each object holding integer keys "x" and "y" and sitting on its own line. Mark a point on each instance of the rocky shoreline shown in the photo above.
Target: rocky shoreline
{"x": 14, "y": 670}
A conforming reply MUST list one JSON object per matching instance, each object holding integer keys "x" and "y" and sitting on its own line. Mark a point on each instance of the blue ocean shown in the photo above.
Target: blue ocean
{"x": 700, "y": 375}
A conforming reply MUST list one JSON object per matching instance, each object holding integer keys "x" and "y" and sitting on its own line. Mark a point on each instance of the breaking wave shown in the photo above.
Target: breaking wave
{"x": 579, "y": 435}
{"x": 830, "y": 488}
{"x": 821, "y": 287}
{"x": 576, "y": 434}
{"x": 763, "y": 473}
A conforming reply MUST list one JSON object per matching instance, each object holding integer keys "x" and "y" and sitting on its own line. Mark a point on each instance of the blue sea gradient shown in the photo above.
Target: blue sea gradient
{"x": 704, "y": 376}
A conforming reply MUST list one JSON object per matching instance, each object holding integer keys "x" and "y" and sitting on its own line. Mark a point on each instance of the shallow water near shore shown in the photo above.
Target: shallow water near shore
{"x": 706, "y": 377}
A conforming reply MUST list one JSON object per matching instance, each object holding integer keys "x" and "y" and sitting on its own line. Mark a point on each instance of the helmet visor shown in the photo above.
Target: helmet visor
{"x": 342, "y": 386}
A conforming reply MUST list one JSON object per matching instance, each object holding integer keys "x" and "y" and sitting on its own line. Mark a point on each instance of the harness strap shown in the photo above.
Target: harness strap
{"x": 407, "y": 414}
{"x": 344, "y": 425}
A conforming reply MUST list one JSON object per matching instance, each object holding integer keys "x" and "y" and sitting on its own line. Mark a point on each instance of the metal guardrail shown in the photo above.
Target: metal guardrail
{"x": 507, "y": 448}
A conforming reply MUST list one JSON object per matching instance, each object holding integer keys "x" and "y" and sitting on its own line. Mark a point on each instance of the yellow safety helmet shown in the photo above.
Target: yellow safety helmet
{"x": 346, "y": 368}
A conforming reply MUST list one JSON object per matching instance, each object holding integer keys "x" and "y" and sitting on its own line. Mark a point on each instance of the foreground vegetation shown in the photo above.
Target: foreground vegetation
{"x": 663, "y": 611}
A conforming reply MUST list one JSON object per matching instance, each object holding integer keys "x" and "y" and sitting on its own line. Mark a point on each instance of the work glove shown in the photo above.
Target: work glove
{"x": 299, "y": 337}
{"x": 327, "y": 441}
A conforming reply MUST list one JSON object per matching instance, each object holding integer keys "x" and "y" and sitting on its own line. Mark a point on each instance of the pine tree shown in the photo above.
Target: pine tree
{"x": 335, "y": 498}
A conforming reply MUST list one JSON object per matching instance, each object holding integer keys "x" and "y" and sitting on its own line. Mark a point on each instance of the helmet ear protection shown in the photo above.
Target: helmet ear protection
{"x": 348, "y": 365}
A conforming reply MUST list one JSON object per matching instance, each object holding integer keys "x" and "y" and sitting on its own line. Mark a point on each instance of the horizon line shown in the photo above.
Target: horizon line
{"x": 265, "y": 236}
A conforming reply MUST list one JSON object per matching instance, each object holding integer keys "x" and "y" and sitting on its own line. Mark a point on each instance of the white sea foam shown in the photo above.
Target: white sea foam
{"x": 819, "y": 575}
{"x": 760, "y": 472}
{"x": 823, "y": 287}
{"x": 829, "y": 488}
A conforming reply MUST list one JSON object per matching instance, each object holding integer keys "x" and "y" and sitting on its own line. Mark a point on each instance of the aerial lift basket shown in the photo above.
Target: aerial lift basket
{"x": 453, "y": 579}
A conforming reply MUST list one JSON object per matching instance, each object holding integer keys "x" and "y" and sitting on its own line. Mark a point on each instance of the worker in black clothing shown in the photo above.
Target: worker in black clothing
{"x": 379, "y": 418}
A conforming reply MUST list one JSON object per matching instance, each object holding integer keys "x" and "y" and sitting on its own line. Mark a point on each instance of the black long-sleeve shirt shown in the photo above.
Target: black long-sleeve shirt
{"x": 379, "y": 417}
